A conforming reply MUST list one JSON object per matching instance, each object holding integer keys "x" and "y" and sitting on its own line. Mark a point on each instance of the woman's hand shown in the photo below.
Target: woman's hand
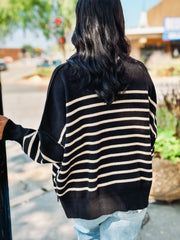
{"x": 3, "y": 121}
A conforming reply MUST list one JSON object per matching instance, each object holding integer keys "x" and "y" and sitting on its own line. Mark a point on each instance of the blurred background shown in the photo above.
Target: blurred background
{"x": 35, "y": 37}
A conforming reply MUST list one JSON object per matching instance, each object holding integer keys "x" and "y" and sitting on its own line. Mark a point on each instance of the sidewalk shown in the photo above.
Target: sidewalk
{"x": 43, "y": 219}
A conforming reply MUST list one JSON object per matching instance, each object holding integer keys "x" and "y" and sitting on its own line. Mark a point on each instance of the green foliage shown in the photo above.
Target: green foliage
{"x": 44, "y": 71}
{"x": 34, "y": 15}
{"x": 33, "y": 51}
{"x": 67, "y": 11}
{"x": 167, "y": 145}
{"x": 165, "y": 119}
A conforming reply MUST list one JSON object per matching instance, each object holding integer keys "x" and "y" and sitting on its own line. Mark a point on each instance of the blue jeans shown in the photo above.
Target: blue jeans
{"x": 116, "y": 226}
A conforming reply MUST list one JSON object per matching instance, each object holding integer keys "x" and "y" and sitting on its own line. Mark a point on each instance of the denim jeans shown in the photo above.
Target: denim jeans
{"x": 116, "y": 226}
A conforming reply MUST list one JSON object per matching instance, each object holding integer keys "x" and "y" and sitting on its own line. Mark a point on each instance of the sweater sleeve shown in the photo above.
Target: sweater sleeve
{"x": 45, "y": 145}
{"x": 152, "y": 114}
{"x": 152, "y": 107}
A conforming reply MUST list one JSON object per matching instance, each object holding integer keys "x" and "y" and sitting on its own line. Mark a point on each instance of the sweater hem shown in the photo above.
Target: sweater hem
{"x": 105, "y": 204}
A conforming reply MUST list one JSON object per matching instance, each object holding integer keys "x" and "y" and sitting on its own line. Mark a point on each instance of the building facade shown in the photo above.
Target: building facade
{"x": 15, "y": 53}
{"x": 150, "y": 35}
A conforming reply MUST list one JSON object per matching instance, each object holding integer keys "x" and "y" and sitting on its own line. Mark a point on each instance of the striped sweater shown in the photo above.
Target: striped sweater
{"x": 101, "y": 154}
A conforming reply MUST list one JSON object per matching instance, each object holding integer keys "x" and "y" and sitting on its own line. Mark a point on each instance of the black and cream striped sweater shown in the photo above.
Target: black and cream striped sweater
{"x": 101, "y": 154}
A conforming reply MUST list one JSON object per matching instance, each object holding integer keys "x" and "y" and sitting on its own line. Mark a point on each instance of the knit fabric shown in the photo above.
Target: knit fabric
{"x": 101, "y": 154}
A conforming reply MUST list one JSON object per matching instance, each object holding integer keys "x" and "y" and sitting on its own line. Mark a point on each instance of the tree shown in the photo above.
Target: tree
{"x": 31, "y": 50}
{"x": 34, "y": 15}
{"x": 67, "y": 10}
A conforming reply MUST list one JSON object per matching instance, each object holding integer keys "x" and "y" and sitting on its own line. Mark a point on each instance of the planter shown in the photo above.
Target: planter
{"x": 166, "y": 180}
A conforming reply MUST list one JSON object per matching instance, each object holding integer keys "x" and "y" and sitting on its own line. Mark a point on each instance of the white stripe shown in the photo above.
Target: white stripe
{"x": 95, "y": 95}
{"x": 152, "y": 102}
{"x": 109, "y": 147}
{"x": 31, "y": 143}
{"x": 107, "y": 112}
{"x": 152, "y": 130}
{"x": 110, "y": 138}
{"x": 105, "y": 175}
{"x": 105, "y": 165}
{"x": 113, "y": 155}
{"x": 105, "y": 184}
{"x": 85, "y": 107}
{"x": 62, "y": 134}
{"x": 48, "y": 159}
{"x": 107, "y": 121}
{"x": 81, "y": 99}
{"x": 103, "y": 131}
{"x": 153, "y": 117}
{"x": 93, "y": 170}
{"x": 103, "y": 104}
{"x": 134, "y": 92}
{"x": 56, "y": 166}
{"x": 24, "y": 139}
{"x": 38, "y": 152}
{"x": 57, "y": 171}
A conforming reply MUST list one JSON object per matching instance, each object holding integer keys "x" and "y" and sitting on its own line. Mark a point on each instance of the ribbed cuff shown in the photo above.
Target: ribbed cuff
{"x": 8, "y": 129}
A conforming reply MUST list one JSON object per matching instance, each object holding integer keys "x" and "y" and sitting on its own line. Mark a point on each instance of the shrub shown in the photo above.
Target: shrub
{"x": 44, "y": 71}
{"x": 167, "y": 145}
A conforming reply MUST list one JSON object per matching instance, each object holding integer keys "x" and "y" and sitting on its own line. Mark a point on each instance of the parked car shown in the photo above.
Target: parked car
{"x": 47, "y": 63}
{"x": 3, "y": 65}
{"x": 56, "y": 63}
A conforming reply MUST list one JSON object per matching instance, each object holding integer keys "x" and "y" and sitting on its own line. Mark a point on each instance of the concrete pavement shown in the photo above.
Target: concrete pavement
{"x": 163, "y": 223}
{"x": 43, "y": 219}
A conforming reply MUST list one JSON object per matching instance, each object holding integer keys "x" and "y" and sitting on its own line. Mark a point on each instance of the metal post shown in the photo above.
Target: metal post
{"x": 5, "y": 218}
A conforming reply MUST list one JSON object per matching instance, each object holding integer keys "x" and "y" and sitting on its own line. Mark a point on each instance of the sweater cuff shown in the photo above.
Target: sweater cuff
{"x": 11, "y": 131}
{"x": 7, "y": 130}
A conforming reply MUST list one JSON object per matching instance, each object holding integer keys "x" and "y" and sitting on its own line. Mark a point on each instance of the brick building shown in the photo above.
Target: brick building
{"x": 166, "y": 8}
{"x": 15, "y": 53}
{"x": 149, "y": 37}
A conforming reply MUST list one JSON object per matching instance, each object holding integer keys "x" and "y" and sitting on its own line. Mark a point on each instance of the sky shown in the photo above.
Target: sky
{"x": 132, "y": 10}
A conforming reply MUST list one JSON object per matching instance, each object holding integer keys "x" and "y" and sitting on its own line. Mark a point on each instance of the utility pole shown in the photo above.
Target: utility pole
{"x": 5, "y": 218}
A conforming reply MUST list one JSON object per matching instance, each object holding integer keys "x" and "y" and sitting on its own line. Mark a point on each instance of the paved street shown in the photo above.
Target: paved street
{"x": 20, "y": 104}
{"x": 43, "y": 219}
{"x": 18, "y": 69}
{"x": 34, "y": 210}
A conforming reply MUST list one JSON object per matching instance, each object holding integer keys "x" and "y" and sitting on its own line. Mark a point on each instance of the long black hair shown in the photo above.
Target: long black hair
{"x": 101, "y": 45}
